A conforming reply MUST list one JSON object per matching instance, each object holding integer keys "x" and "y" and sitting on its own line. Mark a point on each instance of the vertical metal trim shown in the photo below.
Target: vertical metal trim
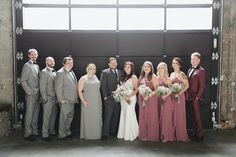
{"x": 15, "y": 92}
{"x": 69, "y": 7}
{"x": 220, "y": 61}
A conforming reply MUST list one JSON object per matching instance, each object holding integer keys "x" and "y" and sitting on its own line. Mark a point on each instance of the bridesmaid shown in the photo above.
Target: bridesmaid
{"x": 148, "y": 108}
{"x": 91, "y": 105}
{"x": 178, "y": 76}
{"x": 166, "y": 106}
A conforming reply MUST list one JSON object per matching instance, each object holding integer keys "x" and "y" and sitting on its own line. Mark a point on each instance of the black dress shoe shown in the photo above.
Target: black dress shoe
{"x": 197, "y": 139}
{"x": 30, "y": 138}
{"x": 36, "y": 135}
{"x": 64, "y": 138}
{"x": 104, "y": 138}
{"x": 47, "y": 139}
{"x": 70, "y": 137}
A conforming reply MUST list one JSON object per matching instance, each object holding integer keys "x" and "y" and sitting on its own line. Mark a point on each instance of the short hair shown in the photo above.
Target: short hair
{"x": 197, "y": 54}
{"x": 111, "y": 59}
{"x": 89, "y": 66}
{"x": 32, "y": 50}
{"x": 66, "y": 59}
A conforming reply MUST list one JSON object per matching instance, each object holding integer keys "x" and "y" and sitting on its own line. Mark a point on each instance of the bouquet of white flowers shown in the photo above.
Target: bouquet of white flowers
{"x": 119, "y": 93}
{"x": 162, "y": 91}
{"x": 176, "y": 88}
{"x": 145, "y": 91}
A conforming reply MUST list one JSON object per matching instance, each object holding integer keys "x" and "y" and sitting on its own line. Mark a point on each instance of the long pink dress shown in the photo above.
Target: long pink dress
{"x": 180, "y": 129}
{"x": 166, "y": 116}
{"x": 148, "y": 115}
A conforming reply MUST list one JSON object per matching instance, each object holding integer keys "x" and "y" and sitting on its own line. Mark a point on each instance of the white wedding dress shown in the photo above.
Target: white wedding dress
{"x": 128, "y": 126}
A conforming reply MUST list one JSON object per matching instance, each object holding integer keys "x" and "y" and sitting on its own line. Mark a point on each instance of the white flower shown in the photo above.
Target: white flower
{"x": 176, "y": 88}
{"x": 144, "y": 90}
{"x": 120, "y": 92}
{"x": 162, "y": 91}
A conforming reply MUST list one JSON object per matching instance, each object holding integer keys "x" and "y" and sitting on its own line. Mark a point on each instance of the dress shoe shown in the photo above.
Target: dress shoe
{"x": 197, "y": 139}
{"x": 70, "y": 137}
{"x": 30, "y": 138}
{"x": 35, "y": 135}
{"x": 53, "y": 134}
{"x": 62, "y": 138}
{"x": 104, "y": 138}
{"x": 47, "y": 139}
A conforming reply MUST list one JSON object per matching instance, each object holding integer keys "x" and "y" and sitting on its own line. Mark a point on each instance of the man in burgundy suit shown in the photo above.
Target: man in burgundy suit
{"x": 196, "y": 75}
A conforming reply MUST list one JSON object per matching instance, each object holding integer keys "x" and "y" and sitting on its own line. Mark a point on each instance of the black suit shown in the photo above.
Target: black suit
{"x": 109, "y": 82}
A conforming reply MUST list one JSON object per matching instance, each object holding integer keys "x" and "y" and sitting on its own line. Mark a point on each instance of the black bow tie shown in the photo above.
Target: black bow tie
{"x": 53, "y": 70}
{"x": 34, "y": 63}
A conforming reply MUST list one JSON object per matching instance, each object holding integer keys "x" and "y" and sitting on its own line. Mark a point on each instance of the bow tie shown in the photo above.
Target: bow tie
{"x": 34, "y": 63}
{"x": 53, "y": 70}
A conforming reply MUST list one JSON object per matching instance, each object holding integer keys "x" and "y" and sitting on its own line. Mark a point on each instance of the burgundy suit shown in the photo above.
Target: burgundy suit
{"x": 197, "y": 82}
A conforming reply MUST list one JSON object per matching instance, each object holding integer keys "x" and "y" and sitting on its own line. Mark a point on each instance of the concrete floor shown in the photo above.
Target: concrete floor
{"x": 216, "y": 144}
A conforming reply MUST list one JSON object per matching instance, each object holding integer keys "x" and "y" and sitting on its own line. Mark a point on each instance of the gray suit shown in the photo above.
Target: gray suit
{"x": 66, "y": 90}
{"x": 109, "y": 83}
{"x": 48, "y": 97}
{"x": 30, "y": 84}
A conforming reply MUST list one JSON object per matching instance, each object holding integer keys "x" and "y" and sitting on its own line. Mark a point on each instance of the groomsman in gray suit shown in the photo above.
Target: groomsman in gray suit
{"x": 110, "y": 78}
{"x": 48, "y": 98}
{"x": 30, "y": 84}
{"x": 66, "y": 91}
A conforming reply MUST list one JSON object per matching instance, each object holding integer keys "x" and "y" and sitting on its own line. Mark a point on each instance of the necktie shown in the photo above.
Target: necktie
{"x": 115, "y": 73}
{"x": 191, "y": 72}
{"x": 72, "y": 75}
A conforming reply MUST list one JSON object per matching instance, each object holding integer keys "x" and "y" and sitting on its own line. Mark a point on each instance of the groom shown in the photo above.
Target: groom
{"x": 195, "y": 93}
{"x": 110, "y": 78}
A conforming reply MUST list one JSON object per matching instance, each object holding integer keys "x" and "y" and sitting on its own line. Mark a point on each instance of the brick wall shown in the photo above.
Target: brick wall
{"x": 6, "y": 61}
{"x": 228, "y": 61}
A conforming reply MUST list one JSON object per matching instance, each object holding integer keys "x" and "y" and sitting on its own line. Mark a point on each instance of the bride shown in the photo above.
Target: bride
{"x": 128, "y": 126}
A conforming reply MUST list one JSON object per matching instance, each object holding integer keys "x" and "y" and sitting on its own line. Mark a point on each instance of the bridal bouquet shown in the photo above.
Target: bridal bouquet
{"x": 176, "y": 89}
{"x": 162, "y": 91}
{"x": 119, "y": 93}
{"x": 144, "y": 91}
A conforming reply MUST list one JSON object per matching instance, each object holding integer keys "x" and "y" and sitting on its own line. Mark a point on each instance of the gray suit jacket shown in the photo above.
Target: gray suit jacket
{"x": 30, "y": 78}
{"x": 109, "y": 82}
{"x": 47, "y": 85}
{"x": 66, "y": 86}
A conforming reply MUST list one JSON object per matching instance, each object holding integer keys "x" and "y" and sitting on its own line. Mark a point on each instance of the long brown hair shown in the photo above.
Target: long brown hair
{"x": 149, "y": 76}
{"x": 125, "y": 77}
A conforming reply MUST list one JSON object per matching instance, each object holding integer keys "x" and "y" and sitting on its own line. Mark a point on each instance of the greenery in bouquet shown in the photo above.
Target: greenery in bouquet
{"x": 162, "y": 90}
{"x": 176, "y": 88}
{"x": 144, "y": 90}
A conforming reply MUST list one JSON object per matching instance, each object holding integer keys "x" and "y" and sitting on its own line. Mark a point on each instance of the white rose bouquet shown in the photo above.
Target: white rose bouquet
{"x": 176, "y": 89}
{"x": 145, "y": 91}
{"x": 119, "y": 93}
{"x": 162, "y": 91}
